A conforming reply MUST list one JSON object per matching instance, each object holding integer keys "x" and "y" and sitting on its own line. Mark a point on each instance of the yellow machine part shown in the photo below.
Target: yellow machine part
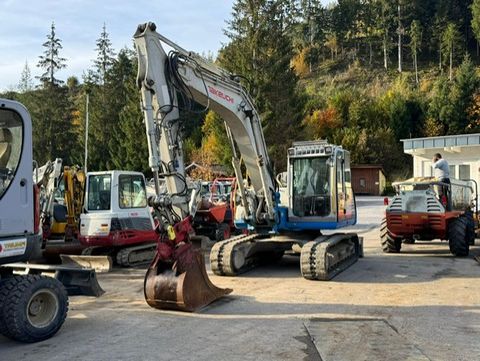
{"x": 58, "y": 227}
{"x": 74, "y": 180}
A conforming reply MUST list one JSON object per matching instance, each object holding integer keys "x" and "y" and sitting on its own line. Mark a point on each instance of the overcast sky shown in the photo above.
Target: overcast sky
{"x": 194, "y": 24}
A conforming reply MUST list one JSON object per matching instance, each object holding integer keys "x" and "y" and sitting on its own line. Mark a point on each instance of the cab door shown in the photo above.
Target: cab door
{"x": 341, "y": 191}
{"x": 16, "y": 181}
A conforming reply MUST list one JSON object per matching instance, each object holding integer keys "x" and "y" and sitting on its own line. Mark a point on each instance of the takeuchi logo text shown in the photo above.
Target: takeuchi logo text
{"x": 220, "y": 94}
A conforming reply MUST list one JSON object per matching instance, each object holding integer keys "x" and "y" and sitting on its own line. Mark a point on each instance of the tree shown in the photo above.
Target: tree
{"x": 450, "y": 38}
{"x": 475, "y": 23}
{"x": 383, "y": 15}
{"x": 400, "y": 32}
{"x": 105, "y": 54}
{"x": 26, "y": 82}
{"x": 452, "y": 101}
{"x": 466, "y": 85}
{"x": 415, "y": 43}
{"x": 260, "y": 49}
{"x": 51, "y": 61}
{"x": 331, "y": 43}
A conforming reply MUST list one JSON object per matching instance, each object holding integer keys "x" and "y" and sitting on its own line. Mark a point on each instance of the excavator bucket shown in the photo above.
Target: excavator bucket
{"x": 182, "y": 284}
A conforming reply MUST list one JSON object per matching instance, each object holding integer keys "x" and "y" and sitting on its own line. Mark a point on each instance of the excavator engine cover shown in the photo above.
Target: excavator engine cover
{"x": 181, "y": 284}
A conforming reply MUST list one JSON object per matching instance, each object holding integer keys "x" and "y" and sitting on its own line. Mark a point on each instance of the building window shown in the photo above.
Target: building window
{"x": 427, "y": 169}
{"x": 464, "y": 171}
{"x": 362, "y": 182}
{"x": 451, "y": 170}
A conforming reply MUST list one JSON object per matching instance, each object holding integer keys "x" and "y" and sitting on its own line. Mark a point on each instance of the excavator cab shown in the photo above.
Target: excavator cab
{"x": 116, "y": 218}
{"x": 320, "y": 194}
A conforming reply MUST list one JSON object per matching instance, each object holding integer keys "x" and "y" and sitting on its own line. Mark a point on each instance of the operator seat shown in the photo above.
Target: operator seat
{"x": 5, "y": 146}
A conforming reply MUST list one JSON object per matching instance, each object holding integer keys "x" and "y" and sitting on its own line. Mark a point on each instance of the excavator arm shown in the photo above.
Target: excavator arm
{"x": 170, "y": 81}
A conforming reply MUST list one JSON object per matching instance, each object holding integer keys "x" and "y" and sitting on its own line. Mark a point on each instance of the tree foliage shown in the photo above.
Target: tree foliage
{"x": 51, "y": 61}
{"x": 313, "y": 71}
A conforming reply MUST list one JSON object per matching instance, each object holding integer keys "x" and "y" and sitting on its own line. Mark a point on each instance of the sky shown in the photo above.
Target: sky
{"x": 24, "y": 24}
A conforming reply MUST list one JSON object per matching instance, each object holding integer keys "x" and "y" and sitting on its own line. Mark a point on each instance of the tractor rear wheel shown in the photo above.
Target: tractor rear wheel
{"x": 470, "y": 228}
{"x": 223, "y": 232}
{"x": 33, "y": 308}
{"x": 458, "y": 238}
{"x": 390, "y": 244}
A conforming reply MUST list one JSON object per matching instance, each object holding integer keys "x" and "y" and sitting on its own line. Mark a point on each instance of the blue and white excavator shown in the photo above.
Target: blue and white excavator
{"x": 315, "y": 194}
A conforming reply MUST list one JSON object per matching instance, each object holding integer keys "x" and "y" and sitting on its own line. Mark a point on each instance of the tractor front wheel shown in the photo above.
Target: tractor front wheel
{"x": 33, "y": 307}
{"x": 390, "y": 244}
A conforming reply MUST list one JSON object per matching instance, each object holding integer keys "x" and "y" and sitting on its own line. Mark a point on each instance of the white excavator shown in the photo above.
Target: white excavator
{"x": 33, "y": 306}
{"x": 276, "y": 217}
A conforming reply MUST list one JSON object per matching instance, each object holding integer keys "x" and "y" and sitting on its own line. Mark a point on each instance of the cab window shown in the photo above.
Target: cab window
{"x": 99, "y": 188}
{"x": 11, "y": 139}
{"x": 132, "y": 192}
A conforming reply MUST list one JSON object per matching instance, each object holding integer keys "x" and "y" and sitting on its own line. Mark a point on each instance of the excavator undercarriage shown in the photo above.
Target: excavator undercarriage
{"x": 320, "y": 259}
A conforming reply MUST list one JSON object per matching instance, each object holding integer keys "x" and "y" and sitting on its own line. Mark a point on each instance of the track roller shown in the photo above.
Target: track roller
{"x": 232, "y": 256}
{"x": 132, "y": 256}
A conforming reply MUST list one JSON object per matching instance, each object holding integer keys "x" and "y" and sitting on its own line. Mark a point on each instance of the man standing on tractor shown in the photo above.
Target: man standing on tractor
{"x": 440, "y": 168}
{"x": 442, "y": 174}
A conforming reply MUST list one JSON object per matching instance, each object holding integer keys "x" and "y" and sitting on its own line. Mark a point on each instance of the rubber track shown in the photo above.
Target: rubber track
{"x": 389, "y": 244}
{"x": 221, "y": 255}
{"x": 316, "y": 267}
{"x": 11, "y": 291}
{"x": 124, "y": 255}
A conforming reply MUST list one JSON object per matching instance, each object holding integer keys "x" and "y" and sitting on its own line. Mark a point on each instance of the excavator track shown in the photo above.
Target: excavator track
{"x": 137, "y": 255}
{"x": 230, "y": 257}
{"x": 327, "y": 256}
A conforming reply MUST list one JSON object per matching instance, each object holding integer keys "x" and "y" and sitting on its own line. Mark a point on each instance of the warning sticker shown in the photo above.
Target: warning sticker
{"x": 14, "y": 247}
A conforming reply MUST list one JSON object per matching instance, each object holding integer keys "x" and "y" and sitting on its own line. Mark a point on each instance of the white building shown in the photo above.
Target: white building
{"x": 462, "y": 152}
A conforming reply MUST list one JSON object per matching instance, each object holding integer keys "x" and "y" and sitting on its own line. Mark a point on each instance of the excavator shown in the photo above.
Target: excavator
{"x": 33, "y": 305}
{"x": 116, "y": 219}
{"x": 317, "y": 195}
{"x": 62, "y": 190}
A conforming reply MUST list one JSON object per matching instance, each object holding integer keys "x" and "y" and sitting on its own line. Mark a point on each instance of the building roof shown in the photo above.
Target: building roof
{"x": 374, "y": 166}
{"x": 443, "y": 142}
{"x": 367, "y": 166}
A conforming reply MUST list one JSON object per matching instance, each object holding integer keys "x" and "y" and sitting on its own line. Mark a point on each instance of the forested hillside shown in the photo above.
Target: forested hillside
{"x": 363, "y": 74}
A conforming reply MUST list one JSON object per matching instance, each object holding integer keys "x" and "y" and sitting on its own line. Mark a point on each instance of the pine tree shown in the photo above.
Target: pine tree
{"x": 261, "y": 51}
{"x": 105, "y": 54}
{"x": 51, "y": 61}
{"x": 475, "y": 8}
{"x": 450, "y": 38}
{"x": 26, "y": 82}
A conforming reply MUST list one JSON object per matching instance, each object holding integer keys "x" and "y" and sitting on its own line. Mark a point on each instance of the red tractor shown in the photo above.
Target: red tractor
{"x": 426, "y": 209}
{"x": 216, "y": 211}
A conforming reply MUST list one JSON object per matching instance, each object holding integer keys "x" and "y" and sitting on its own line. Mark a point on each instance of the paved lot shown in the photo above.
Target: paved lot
{"x": 422, "y": 304}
